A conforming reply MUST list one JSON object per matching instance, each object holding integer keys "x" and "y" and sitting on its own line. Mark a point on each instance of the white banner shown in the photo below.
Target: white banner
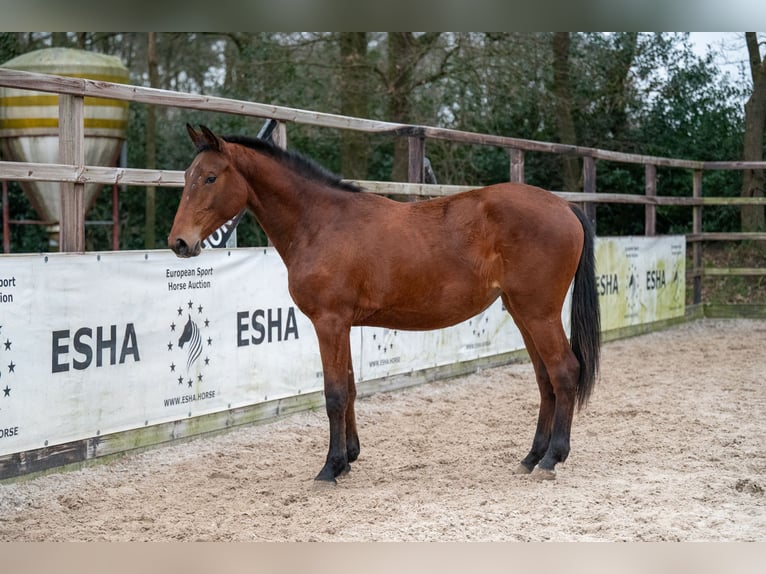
{"x": 640, "y": 279}
{"x": 98, "y": 343}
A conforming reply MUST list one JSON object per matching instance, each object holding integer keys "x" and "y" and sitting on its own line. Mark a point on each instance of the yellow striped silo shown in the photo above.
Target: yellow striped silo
{"x": 29, "y": 120}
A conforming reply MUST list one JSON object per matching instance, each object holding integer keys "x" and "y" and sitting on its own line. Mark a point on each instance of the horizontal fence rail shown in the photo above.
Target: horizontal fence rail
{"x": 98, "y": 89}
{"x": 28, "y": 171}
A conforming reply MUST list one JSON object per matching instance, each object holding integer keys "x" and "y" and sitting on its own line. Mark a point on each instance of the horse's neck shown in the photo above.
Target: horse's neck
{"x": 275, "y": 198}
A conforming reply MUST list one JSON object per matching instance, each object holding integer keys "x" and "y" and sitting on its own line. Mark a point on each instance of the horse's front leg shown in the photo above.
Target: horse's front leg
{"x": 335, "y": 349}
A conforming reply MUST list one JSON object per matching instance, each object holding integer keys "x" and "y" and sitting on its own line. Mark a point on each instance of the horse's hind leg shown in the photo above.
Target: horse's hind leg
{"x": 545, "y": 416}
{"x": 563, "y": 370}
{"x": 556, "y": 370}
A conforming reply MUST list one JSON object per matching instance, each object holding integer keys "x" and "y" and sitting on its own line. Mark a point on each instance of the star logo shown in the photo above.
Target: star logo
{"x": 189, "y": 344}
{"x": 7, "y": 366}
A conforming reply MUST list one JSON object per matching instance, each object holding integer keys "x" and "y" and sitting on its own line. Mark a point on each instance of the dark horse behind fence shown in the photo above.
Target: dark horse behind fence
{"x": 360, "y": 259}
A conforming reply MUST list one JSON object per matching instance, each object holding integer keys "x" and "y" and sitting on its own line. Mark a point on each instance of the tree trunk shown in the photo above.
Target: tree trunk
{"x": 399, "y": 76}
{"x": 752, "y": 216}
{"x": 60, "y": 40}
{"x": 617, "y": 76}
{"x": 562, "y": 90}
{"x": 354, "y": 101}
{"x": 151, "y": 143}
{"x": 405, "y": 51}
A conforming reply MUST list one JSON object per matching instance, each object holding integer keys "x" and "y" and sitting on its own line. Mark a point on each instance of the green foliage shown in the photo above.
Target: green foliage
{"x": 24, "y": 238}
{"x": 620, "y": 218}
{"x": 694, "y": 115}
{"x": 9, "y": 47}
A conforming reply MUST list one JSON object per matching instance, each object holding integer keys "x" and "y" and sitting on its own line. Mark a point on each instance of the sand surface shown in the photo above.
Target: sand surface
{"x": 672, "y": 447}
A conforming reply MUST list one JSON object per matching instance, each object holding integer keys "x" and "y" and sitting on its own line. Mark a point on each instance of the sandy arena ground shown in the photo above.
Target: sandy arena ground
{"x": 672, "y": 447}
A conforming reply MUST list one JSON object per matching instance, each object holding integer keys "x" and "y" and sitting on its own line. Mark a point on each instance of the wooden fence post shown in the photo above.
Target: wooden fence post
{"x": 517, "y": 165}
{"x": 115, "y": 218}
{"x": 650, "y": 210}
{"x": 72, "y": 152}
{"x": 417, "y": 147}
{"x": 589, "y": 185}
{"x": 6, "y": 215}
{"x": 696, "y": 230}
{"x": 279, "y": 135}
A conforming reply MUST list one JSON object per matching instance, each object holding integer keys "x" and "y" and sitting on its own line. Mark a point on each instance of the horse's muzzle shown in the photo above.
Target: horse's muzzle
{"x": 182, "y": 249}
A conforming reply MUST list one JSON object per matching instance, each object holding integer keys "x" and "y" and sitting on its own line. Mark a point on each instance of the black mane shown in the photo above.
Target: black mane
{"x": 301, "y": 164}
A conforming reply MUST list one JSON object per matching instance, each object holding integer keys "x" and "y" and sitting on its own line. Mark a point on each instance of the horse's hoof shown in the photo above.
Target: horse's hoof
{"x": 325, "y": 476}
{"x": 522, "y": 469}
{"x": 322, "y": 483}
{"x": 345, "y": 471}
{"x": 543, "y": 474}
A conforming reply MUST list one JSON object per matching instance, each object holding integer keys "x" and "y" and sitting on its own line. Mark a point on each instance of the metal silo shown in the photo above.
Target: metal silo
{"x": 29, "y": 122}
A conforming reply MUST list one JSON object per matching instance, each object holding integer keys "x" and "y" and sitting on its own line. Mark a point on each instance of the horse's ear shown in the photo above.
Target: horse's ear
{"x": 196, "y": 138}
{"x": 206, "y": 140}
{"x": 213, "y": 141}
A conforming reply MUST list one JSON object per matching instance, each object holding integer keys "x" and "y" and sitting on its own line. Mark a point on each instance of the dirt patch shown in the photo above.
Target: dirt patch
{"x": 671, "y": 447}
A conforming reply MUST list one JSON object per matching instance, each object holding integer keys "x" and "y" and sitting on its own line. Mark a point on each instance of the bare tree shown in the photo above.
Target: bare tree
{"x": 407, "y": 53}
{"x": 562, "y": 89}
{"x": 354, "y": 101}
{"x": 752, "y": 216}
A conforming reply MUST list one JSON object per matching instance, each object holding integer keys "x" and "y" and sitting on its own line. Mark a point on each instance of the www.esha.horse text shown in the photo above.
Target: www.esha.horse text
{"x": 186, "y": 279}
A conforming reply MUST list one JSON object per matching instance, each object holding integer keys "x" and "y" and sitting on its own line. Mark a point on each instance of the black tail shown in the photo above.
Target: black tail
{"x": 586, "y": 315}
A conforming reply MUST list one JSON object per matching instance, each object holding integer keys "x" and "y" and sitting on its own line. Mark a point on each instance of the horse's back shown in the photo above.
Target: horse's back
{"x": 534, "y": 212}
{"x": 513, "y": 217}
{"x": 520, "y": 203}
{"x": 502, "y": 225}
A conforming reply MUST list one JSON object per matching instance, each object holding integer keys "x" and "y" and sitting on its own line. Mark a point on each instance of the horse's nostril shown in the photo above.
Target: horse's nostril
{"x": 180, "y": 246}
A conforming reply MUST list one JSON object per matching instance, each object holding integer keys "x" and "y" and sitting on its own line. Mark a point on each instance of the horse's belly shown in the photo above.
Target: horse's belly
{"x": 427, "y": 315}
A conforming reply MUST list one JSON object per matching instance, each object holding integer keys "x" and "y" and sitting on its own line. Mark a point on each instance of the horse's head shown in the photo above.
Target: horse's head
{"x": 214, "y": 192}
{"x": 186, "y": 336}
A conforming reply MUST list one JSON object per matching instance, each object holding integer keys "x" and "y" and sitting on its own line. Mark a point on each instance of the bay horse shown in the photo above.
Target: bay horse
{"x": 356, "y": 258}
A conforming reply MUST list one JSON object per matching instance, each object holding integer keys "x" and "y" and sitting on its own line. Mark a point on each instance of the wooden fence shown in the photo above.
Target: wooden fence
{"x": 74, "y": 174}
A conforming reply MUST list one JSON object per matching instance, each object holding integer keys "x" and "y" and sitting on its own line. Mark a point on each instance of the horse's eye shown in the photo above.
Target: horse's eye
{"x": 210, "y": 179}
